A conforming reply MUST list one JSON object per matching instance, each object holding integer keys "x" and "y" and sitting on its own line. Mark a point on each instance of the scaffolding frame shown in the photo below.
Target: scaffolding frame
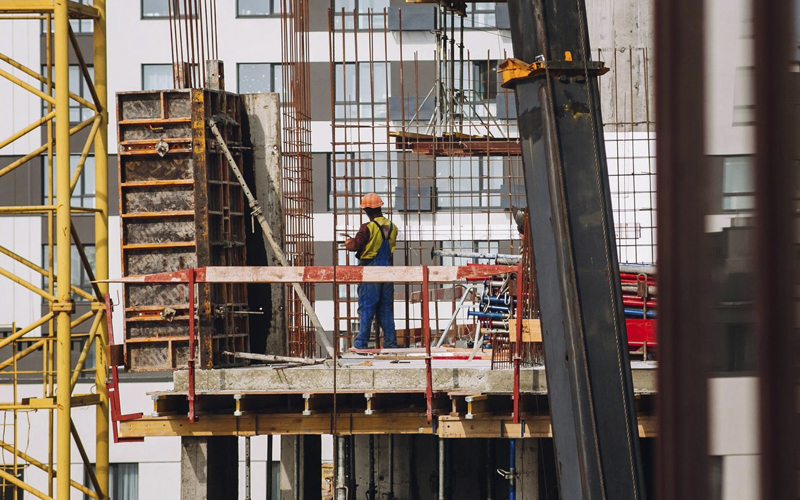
{"x": 54, "y": 333}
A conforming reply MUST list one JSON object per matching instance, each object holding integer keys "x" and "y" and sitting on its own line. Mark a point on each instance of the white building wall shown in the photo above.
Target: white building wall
{"x": 20, "y": 40}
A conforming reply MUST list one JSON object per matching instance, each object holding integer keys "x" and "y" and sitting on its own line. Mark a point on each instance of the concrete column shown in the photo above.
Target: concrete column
{"x": 263, "y": 124}
{"x": 301, "y": 467}
{"x": 209, "y": 468}
{"x": 527, "y": 457}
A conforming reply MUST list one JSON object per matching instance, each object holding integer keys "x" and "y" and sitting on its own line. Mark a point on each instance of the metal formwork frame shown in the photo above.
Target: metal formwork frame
{"x": 54, "y": 333}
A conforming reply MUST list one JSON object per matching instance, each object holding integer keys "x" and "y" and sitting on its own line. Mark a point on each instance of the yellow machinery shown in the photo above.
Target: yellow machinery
{"x": 51, "y": 336}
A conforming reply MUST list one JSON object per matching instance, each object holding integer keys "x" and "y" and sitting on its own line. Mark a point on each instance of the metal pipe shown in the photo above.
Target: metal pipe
{"x": 442, "y": 467}
{"x": 453, "y": 318}
{"x": 512, "y": 470}
{"x": 476, "y": 255}
{"x": 371, "y": 490}
{"x": 269, "y": 467}
{"x": 341, "y": 486}
{"x": 247, "y": 468}
{"x": 63, "y": 305}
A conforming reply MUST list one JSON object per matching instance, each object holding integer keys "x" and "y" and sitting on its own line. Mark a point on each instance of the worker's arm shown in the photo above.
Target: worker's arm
{"x": 360, "y": 241}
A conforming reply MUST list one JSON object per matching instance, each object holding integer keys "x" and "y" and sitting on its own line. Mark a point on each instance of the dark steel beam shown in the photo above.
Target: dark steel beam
{"x": 776, "y": 232}
{"x": 683, "y": 471}
{"x": 566, "y": 178}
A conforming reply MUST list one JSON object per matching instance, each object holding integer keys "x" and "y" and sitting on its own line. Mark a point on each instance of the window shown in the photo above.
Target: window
{"x": 360, "y": 96}
{"x": 123, "y": 482}
{"x": 258, "y": 8}
{"x": 8, "y": 490}
{"x": 156, "y": 76}
{"x": 481, "y": 15}
{"x": 361, "y": 19}
{"x": 356, "y": 174}
{"x": 470, "y": 182}
{"x": 737, "y": 184}
{"x": 480, "y": 85}
{"x": 78, "y": 274}
{"x": 743, "y": 99}
{"x": 255, "y": 78}
{"x": 78, "y": 86}
{"x": 156, "y": 9}
{"x": 83, "y": 194}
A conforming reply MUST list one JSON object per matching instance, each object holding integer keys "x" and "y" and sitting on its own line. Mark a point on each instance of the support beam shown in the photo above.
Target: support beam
{"x": 571, "y": 227}
{"x": 210, "y": 468}
{"x": 301, "y": 472}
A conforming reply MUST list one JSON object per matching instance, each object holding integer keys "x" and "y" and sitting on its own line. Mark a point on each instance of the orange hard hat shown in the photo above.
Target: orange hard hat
{"x": 371, "y": 200}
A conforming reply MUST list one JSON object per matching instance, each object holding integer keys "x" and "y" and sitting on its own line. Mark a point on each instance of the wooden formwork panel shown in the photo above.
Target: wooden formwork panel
{"x": 180, "y": 208}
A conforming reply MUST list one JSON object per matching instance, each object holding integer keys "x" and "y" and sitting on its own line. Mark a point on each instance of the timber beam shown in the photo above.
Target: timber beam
{"x": 444, "y": 426}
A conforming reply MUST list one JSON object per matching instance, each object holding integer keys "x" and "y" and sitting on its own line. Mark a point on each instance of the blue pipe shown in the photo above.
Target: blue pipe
{"x": 512, "y": 469}
{"x": 487, "y": 315}
{"x": 638, "y": 313}
{"x": 496, "y": 301}
{"x": 502, "y": 309}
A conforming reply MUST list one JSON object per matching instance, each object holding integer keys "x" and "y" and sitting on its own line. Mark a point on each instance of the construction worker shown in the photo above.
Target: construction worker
{"x": 374, "y": 245}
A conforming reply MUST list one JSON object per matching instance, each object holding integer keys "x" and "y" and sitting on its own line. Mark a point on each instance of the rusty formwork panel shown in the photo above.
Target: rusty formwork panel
{"x": 180, "y": 208}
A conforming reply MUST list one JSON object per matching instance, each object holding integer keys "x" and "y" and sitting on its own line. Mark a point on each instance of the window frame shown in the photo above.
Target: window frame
{"x": 273, "y": 66}
{"x": 343, "y": 26}
{"x": 485, "y": 194}
{"x": 740, "y": 195}
{"x": 391, "y": 178}
{"x": 141, "y": 71}
{"x": 272, "y": 15}
{"x": 376, "y": 105}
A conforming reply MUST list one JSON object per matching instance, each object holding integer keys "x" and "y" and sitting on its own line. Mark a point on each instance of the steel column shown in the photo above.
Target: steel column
{"x": 63, "y": 304}
{"x": 571, "y": 227}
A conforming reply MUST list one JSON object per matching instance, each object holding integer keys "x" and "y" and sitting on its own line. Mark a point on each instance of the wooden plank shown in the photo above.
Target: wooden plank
{"x": 351, "y": 424}
{"x": 277, "y": 424}
{"x": 531, "y": 330}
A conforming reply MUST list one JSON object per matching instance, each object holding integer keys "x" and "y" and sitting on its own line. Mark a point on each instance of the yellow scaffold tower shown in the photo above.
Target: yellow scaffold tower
{"x": 51, "y": 336}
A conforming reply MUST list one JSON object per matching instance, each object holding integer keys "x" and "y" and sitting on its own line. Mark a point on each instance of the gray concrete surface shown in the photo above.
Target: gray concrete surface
{"x": 383, "y": 376}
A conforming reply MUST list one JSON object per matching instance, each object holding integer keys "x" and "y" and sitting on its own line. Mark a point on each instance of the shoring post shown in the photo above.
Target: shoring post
{"x": 426, "y": 329}
{"x": 191, "y": 396}
{"x": 62, "y": 306}
{"x": 101, "y": 240}
{"x": 518, "y": 346}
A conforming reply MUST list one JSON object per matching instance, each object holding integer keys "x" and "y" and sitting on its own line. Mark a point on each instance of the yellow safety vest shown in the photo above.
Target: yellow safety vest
{"x": 376, "y": 238}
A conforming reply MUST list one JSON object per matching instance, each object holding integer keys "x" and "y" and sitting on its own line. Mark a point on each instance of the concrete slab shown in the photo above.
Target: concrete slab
{"x": 385, "y": 376}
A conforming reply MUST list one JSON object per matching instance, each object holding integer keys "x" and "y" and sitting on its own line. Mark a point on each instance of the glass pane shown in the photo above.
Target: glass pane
{"x": 737, "y": 175}
{"x": 254, "y": 7}
{"x": 156, "y": 76}
{"x": 254, "y": 78}
{"x": 155, "y": 8}
{"x": 277, "y": 78}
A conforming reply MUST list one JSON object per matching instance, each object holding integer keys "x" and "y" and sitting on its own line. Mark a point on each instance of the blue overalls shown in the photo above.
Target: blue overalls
{"x": 377, "y": 299}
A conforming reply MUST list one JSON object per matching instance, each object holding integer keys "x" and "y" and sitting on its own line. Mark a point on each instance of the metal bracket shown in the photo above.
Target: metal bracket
{"x": 512, "y": 70}
{"x": 59, "y": 307}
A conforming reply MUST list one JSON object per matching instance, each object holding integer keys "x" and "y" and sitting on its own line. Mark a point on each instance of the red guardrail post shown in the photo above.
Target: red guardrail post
{"x": 426, "y": 329}
{"x": 518, "y": 353}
